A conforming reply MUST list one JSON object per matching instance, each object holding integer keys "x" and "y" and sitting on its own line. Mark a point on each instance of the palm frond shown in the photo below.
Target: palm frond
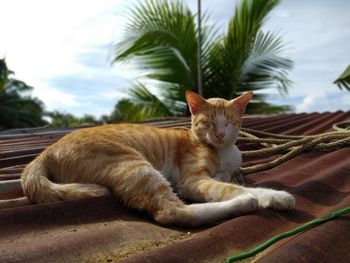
{"x": 230, "y": 55}
{"x": 265, "y": 67}
{"x": 243, "y": 27}
{"x": 161, "y": 36}
{"x": 343, "y": 81}
{"x": 151, "y": 103}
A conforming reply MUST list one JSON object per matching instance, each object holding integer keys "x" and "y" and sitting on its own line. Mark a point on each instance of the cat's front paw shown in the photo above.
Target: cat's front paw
{"x": 245, "y": 203}
{"x": 279, "y": 200}
{"x": 269, "y": 198}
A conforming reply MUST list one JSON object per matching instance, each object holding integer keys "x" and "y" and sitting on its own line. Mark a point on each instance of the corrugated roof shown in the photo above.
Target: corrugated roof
{"x": 102, "y": 230}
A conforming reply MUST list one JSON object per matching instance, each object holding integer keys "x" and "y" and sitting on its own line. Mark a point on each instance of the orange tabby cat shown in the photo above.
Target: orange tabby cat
{"x": 143, "y": 166}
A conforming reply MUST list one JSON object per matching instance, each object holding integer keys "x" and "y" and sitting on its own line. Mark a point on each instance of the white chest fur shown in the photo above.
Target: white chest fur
{"x": 230, "y": 159}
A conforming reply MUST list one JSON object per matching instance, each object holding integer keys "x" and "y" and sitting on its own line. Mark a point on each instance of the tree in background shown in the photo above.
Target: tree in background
{"x": 151, "y": 106}
{"x": 161, "y": 39}
{"x": 67, "y": 120}
{"x": 18, "y": 109}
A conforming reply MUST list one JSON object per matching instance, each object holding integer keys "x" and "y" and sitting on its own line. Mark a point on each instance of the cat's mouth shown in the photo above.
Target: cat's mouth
{"x": 218, "y": 142}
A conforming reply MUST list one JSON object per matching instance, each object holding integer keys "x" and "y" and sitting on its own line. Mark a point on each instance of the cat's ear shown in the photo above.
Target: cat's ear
{"x": 242, "y": 101}
{"x": 194, "y": 101}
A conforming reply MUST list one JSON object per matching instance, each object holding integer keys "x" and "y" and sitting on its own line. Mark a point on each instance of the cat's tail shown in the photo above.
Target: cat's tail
{"x": 39, "y": 189}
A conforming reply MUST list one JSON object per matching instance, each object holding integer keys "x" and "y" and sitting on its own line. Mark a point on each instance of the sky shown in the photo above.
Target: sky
{"x": 63, "y": 48}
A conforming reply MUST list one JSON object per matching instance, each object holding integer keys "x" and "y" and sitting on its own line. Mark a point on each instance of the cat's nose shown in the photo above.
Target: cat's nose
{"x": 220, "y": 135}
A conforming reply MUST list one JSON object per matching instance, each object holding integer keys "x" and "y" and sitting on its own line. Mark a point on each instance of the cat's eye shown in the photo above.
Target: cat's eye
{"x": 213, "y": 123}
{"x": 227, "y": 124}
{"x": 202, "y": 123}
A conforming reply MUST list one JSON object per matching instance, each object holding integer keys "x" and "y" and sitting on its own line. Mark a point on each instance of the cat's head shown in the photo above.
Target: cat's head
{"x": 217, "y": 121}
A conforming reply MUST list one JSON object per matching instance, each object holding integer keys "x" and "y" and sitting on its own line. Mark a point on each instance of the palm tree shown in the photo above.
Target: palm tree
{"x": 18, "y": 110}
{"x": 131, "y": 110}
{"x": 161, "y": 39}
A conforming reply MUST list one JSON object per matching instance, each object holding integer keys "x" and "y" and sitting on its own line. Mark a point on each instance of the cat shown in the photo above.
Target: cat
{"x": 153, "y": 169}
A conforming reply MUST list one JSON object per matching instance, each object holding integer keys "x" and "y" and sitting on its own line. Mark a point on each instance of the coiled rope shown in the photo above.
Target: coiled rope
{"x": 289, "y": 145}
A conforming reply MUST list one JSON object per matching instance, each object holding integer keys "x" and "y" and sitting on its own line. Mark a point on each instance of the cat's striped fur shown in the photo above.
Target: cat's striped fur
{"x": 150, "y": 168}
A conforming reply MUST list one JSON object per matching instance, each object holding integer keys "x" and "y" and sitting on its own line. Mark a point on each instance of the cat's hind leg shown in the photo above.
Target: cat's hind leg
{"x": 140, "y": 186}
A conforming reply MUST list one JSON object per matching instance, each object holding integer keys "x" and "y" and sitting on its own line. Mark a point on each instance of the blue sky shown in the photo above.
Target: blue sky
{"x": 63, "y": 48}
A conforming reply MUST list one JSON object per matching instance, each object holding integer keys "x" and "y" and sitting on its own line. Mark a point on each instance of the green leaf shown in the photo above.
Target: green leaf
{"x": 343, "y": 81}
{"x": 161, "y": 38}
{"x": 265, "y": 67}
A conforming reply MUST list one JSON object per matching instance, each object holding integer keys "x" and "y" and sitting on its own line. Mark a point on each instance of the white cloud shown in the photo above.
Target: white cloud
{"x": 56, "y": 99}
{"x": 325, "y": 100}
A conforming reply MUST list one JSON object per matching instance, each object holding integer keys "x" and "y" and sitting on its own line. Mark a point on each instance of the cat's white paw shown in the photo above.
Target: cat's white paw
{"x": 268, "y": 198}
{"x": 245, "y": 203}
{"x": 280, "y": 200}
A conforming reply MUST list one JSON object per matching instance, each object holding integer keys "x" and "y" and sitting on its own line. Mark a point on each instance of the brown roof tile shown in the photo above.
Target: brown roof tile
{"x": 102, "y": 230}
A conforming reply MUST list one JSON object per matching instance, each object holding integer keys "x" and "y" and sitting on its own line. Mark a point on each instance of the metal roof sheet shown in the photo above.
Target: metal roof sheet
{"x": 102, "y": 230}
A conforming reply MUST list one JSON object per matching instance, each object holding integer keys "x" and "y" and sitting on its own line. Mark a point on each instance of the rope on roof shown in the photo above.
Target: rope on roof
{"x": 290, "y": 145}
